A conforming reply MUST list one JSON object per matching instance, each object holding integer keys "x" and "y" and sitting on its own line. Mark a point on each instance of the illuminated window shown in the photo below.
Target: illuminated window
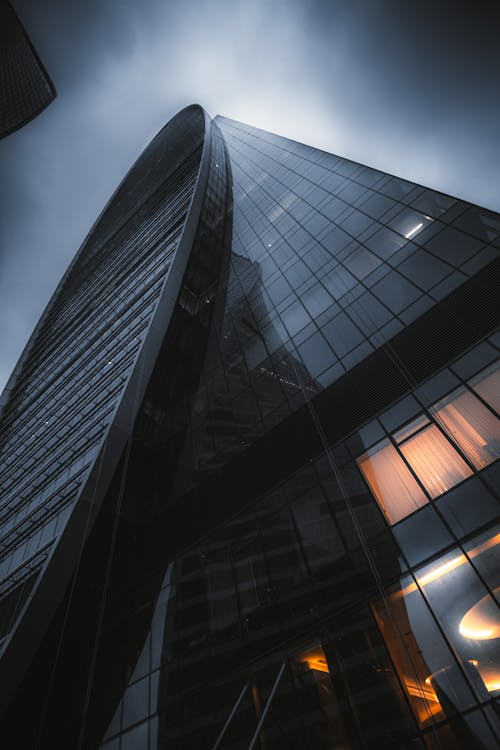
{"x": 313, "y": 658}
{"x": 426, "y": 458}
{"x": 434, "y": 460}
{"x": 313, "y": 678}
{"x": 391, "y": 481}
{"x": 471, "y": 425}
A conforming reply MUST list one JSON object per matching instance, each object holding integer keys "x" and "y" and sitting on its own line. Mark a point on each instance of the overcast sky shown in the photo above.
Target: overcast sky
{"x": 411, "y": 88}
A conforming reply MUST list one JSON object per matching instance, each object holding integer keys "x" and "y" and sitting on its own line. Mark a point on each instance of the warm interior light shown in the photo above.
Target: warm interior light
{"x": 425, "y": 702}
{"x": 428, "y": 680}
{"x": 477, "y": 635}
{"x": 482, "y": 621}
{"x": 445, "y": 568}
{"x": 493, "y": 685}
{"x": 488, "y": 544}
{"x": 417, "y": 691}
{"x": 319, "y": 665}
{"x": 315, "y": 659}
{"x": 432, "y": 575}
{"x": 442, "y": 570}
{"x": 454, "y": 416}
{"x": 471, "y": 425}
{"x": 434, "y": 460}
{"x": 391, "y": 482}
{"x": 489, "y": 675}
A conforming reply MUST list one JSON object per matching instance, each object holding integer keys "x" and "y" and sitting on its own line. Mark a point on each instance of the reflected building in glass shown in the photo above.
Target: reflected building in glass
{"x": 250, "y": 461}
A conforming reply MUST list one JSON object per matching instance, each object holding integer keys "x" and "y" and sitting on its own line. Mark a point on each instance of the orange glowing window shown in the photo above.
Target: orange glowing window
{"x": 471, "y": 425}
{"x": 424, "y": 459}
{"x": 434, "y": 460}
{"x": 314, "y": 658}
{"x": 391, "y": 482}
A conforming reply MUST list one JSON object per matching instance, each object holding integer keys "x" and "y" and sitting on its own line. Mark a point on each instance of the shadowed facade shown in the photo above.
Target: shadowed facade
{"x": 249, "y": 462}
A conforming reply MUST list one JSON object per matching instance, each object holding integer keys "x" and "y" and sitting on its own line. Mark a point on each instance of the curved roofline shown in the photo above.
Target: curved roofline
{"x": 55, "y": 575}
{"x": 11, "y": 382}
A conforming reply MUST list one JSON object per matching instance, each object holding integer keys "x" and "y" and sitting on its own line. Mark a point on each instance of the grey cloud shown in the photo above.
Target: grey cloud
{"x": 390, "y": 84}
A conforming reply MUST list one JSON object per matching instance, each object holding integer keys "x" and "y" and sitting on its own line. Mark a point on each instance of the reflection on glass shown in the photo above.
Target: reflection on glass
{"x": 434, "y": 460}
{"x": 485, "y": 551}
{"x": 487, "y": 384}
{"x": 440, "y": 570}
{"x": 482, "y": 621}
{"x": 433, "y": 674}
{"x": 414, "y": 230}
{"x": 470, "y": 618}
{"x": 471, "y": 425}
{"x": 419, "y": 651}
{"x": 436, "y": 571}
{"x": 391, "y": 482}
{"x": 409, "y": 223}
{"x": 314, "y": 682}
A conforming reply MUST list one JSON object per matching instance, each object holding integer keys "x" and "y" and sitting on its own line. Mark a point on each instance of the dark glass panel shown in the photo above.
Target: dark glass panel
{"x": 395, "y": 291}
{"x": 385, "y": 242}
{"x": 424, "y": 269}
{"x": 453, "y": 246}
{"x": 422, "y": 535}
{"x": 432, "y": 203}
{"x": 342, "y": 334}
{"x": 487, "y": 384}
{"x": 468, "y": 506}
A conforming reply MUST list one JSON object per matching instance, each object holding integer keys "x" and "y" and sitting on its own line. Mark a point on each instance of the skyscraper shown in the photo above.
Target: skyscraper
{"x": 25, "y": 87}
{"x": 249, "y": 461}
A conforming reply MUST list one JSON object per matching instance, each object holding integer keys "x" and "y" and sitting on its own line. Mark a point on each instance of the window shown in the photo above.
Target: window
{"x": 471, "y": 425}
{"x": 390, "y": 480}
{"x": 434, "y": 460}
{"x": 487, "y": 385}
{"x": 435, "y": 452}
{"x": 448, "y": 669}
{"x": 409, "y": 223}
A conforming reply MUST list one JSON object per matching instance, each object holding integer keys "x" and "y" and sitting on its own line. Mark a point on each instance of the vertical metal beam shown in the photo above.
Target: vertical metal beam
{"x": 267, "y": 707}
{"x": 230, "y": 717}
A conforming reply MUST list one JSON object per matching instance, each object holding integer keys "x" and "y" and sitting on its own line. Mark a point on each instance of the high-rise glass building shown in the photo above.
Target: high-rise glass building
{"x": 25, "y": 87}
{"x": 250, "y": 461}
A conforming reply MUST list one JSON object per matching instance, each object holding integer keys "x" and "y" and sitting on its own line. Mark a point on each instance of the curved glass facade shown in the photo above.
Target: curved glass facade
{"x": 62, "y": 411}
{"x": 296, "y": 542}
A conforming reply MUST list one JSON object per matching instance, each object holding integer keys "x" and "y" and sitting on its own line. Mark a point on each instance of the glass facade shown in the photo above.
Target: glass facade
{"x": 296, "y": 545}
{"x": 26, "y": 88}
{"x": 61, "y": 410}
{"x": 432, "y": 454}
